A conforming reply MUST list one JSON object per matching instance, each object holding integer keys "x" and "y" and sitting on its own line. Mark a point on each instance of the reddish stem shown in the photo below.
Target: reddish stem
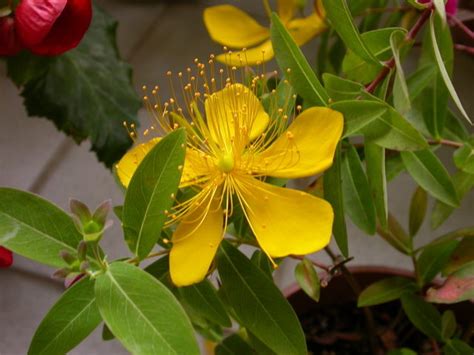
{"x": 462, "y": 26}
{"x": 390, "y": 64}
{"x": 463, "y": 48}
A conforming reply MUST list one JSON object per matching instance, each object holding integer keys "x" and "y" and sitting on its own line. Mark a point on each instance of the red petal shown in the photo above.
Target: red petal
{"x": 35, "y": 19}
{"x": 68, "y": 29}
{"x": 9, "y": 42}
{"x": 6, "y": 257}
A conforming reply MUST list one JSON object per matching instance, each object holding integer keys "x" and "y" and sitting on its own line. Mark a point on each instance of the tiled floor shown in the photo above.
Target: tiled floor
{"x": 154, "y": 38}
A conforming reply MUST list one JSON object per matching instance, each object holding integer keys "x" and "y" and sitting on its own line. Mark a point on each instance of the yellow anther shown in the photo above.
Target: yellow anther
{"x": 290, "y": 135}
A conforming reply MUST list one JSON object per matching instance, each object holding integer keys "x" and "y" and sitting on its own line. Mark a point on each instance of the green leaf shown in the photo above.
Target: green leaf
{"x": 35, "y": 228}
{"x": 375, "y": 164}
{"x": 261, "y": 260}
{"x": 434, "y": 258}
{"x": 401, "y": 96}
{"x": 461, "y": 256}
{"x": 378, "y": 42}
{"x": 419, "y": 80}
{"x": 233, "y": 345}
{"x": 457, "y": 347}
{"x": 97, "y": 97}
{"x": 308, "y": 279}
{"x": 106, "y": 333}
{"x": 463, "y": 182}
{"x": 341, "y": 89}
{"x": 258, "y": 303}
{"x": 448, "y": 324}
{"x": 356, "y": 192}
{"x": 464, "y": 157}
{"x": 418, "y": 206}
{"x": 396, "y": 236}
{"x": 455, "y": 129}
{"x": 402, "y": 351}
{"x": 155, "y": 324}
{"x": 358, "y": 114}
{"x": 150, "y": 191}
{"x": 428, "y": 171}
{"x": 385, "y": 290}
{"x": 72, "y": 318}
{"x": 441, "y": 9}
{"x": 338, "y": 13}
{"x": 289, "y": 56}
{"x": 442, "y": 69}
{"x": 423, "y": 315}
{"x": 333, "y": 194}
{"x": 203, "y": 299}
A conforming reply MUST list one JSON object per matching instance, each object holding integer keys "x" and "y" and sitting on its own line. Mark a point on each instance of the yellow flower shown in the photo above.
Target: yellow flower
{"x": 230, "y": 151}
{"x": 232, "y": 27}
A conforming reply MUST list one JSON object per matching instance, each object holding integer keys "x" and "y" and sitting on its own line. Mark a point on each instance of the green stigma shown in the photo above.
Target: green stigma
{"x": 226, "y": 162}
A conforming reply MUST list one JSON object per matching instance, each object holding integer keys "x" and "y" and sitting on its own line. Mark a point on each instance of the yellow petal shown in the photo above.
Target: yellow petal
{"x": 235, "y": 113}
{"x": 304, "y": 29}
{"x": 286, "y": 9}
{"x": 232, "y": 27}
{"x": 306, "y": 148}
{"x": 285, "y": 221}
{"x": 195, "y": 164}
{"x": 195, "y": 242}
{"x": 253, "y": 56}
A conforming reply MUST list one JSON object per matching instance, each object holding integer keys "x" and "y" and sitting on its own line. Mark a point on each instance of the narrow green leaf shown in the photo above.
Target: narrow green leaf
{"x": 356, "y": 192}
{"x": 258, "y": 303}
{"x": 375, "y": 164}
{"x": 155, "y": 324}
{"x": 35, "y": 228}
{"x": 455, "y": 129}
{"x": 333, "y": 194}
{"x": 423, "y": 315}
{"x": 341, "y": 89}
{"x": 358, "y": 114}
{"x": 261, "y": 260}
{"x": 463, "y": 182}
{"x": 401, "y": 96}
{"x": 150, "y": 191}
{"x": 443, "y": 71}
{"x": 396, "y": 236}
{"x": 461, "y": 256}
{"x": 441, "y": 9}
{"x": 419, "y": 80}
{"x": 418, "y": 206}
{"x": 434, "y": 258}
{"x": 339, "y": 14}
{"x": 457, "y": 347}
{"x": 385, "y": 290}
{"x": 308, "y": 279}
{"x": 72, "y": 318}
{"x": 234, "y": 345}
{"x": 289, "y": 56}
{"x": 428, "y": 171}
{"x": 448, "y": 324}
{"x": 203, "y": 299}
{"x": 464, "y": 157}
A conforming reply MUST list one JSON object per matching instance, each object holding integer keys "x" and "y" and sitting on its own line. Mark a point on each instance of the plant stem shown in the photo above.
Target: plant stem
{"x": 268, "y": 9}
{"x": 461, "y": 25}
{"x": 390, "y": 64}
{"x": 464, "y": 48}
{"x": 315, "y": 263}
{"x": 149, "y": 256}
{"x": 369, "y": 317}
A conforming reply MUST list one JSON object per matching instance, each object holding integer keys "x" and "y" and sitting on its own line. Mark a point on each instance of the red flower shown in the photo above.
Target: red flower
{"x": 6, "y": 257}
{"x": 52, "y": 27}
{"x": 9, "y": 43}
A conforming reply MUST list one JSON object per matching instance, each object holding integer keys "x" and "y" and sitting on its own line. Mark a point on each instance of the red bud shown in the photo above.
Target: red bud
{"x": 6, "y": 257}
{"x": 9, "y": 42}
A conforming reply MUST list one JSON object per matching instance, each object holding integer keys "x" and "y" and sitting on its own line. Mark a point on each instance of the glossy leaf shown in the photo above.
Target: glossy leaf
{"x": 203, "y": 299}
{"x": 151, "y": 191}
{"x": 385, "y": 291}
{"x": 155, "y": 324}
{"x": 461, "y": 256}
{"x": 463, "y": 183}
{"x": 434, "y": 258}
{"x": 423, "y": 315}
{"x": 339, "y": 14}
{"x": 443, "y": 71}
{"x": 261, "y": 260}
{"x": 418, "y": 206}
{"x": 71, "y": 319}
{"x": 356, "y": 192}
{"x": 457, "y": 347}
{"x": 308, "y": 279}
{"x": 396, "y": 236}
{"x": 333, "y": 194}
{"x": 35, "y": 228}
{"x": 375, "y": 164}
{"x": 289, "y": 56}
{"x": 97, "y": 97}
{"x": 419, "y": 80}
{"x": 258, "y": 303}
{"x": 341, "y": 89}
{"x": 233, "y": 345}
{"x": 464, "y": 158}
{"x": 401, "y": 96}
{"x": 428, "y": 171}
